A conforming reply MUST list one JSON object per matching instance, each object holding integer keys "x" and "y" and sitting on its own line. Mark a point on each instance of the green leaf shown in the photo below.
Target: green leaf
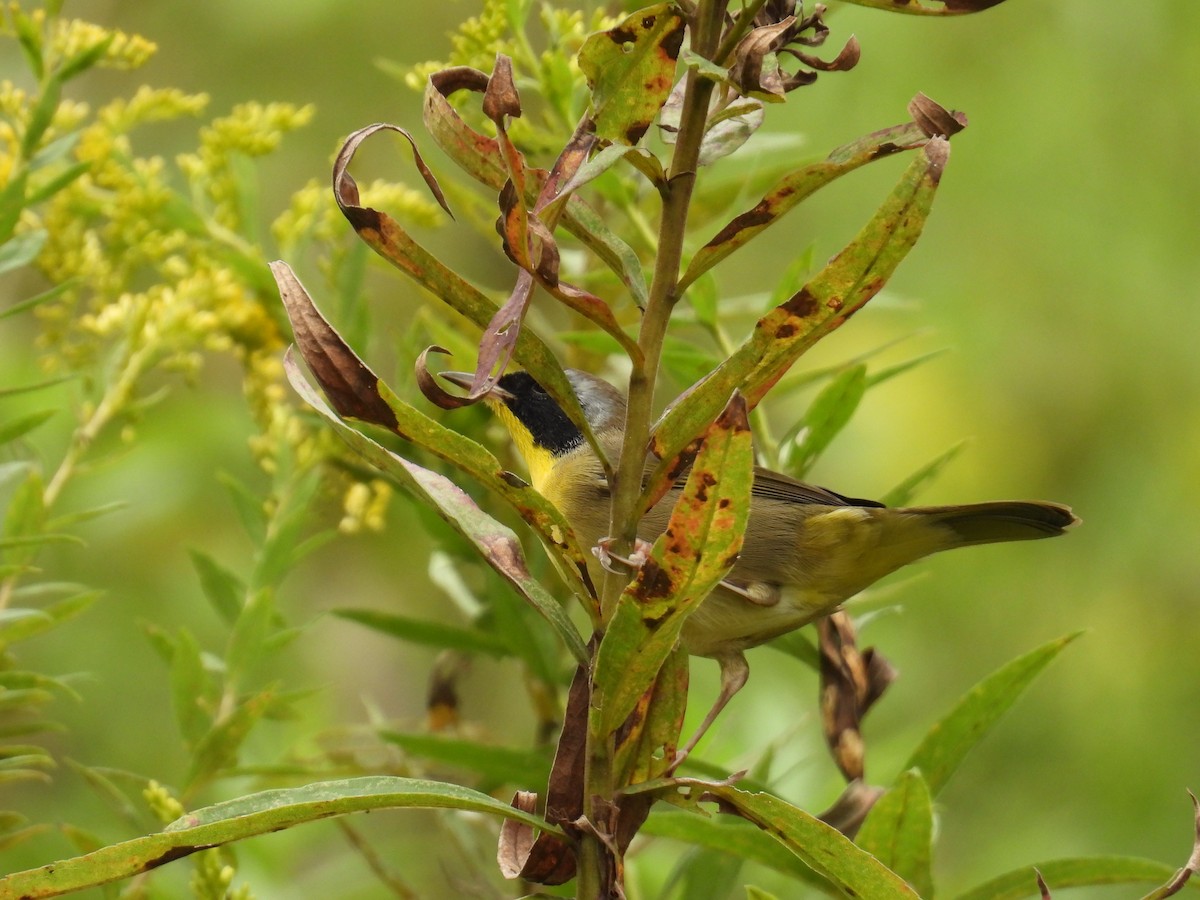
{"x": 85, "y": 58}
{"x": 1072, "y": 872}
{"x": 731, "y": 835}
{"x": 249, "y": 634}
{"x": 697, "y": 550}
{"x": 14, "y": 679}
{"x": 630, "y": 70}
{"x": 846, "y": 283}
{"x": 899, "y": 831}
{"x": 798, "y": 645}
{"x": 22, "y": 425}
{"x": 425, "y": 632}
{"x": 821, "y": 847}
{"x": 70, "y": 520}
{"x": 26, "y": 305}
{"x": 497, "y": 544}
{"x": 17, "y": 624}
{"x": 191, "y": 688}
{"x": 755, "y": 893}
{"x": 246, "y": 817}
{"x": 948, "y": 742}
{"x": 830, "y": 412}
{"x": 902, "y": 494}
{"x": 249, "y": 507}
{"x": 218, "y": 748}
{"x": 504, "y": 765}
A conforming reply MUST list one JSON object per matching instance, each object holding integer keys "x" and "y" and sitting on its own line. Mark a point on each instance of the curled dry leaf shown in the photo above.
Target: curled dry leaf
{"x": 345, "y": 190}
{"x": 500, "y": 97}
{"x": 432, "y": 389}
{"x": 851, "y": 681}
{"x": 934, "y": 119}
{"x": 756, "y": 67}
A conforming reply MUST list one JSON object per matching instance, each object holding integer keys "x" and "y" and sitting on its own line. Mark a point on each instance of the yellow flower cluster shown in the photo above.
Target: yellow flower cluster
{"x": 251, "y": 130}
{"x": 72, "y": 38}
{"x": 364, "y": 507}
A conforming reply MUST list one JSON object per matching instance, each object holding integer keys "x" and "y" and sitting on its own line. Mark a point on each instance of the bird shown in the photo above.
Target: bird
{"x": 806, "y": 549}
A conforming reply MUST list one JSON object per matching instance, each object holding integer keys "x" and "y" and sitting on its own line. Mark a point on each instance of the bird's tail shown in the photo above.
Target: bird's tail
{"x": 1006, "y": 520}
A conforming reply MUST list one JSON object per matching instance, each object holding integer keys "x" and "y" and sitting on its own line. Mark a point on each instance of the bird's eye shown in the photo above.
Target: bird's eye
{"x": 540, "y": 392}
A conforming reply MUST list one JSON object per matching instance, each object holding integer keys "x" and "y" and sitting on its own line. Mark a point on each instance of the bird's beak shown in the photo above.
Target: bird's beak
{"x": 466, "y": 379}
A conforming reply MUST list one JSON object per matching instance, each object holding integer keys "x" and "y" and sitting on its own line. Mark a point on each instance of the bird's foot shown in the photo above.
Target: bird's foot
{"x": 621, "y": 565}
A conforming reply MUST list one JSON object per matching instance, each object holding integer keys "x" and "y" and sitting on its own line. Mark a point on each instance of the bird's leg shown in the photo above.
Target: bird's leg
{"x": 734, "y": 672}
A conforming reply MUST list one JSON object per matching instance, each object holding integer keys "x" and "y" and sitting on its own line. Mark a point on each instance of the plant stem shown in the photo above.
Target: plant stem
{"x": 705, "y": 27}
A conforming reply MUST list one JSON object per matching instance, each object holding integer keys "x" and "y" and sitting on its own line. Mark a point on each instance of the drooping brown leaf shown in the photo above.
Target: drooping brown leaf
{"x": 350, "y": 385}
{"x": 851, "y": 681}
{"x": 549, "y": 858}
{"x": 933, "y": 118}
{"x": 500, "y": 97}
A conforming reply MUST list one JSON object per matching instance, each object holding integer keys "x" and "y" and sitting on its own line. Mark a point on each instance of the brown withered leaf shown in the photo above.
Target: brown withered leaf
{"x": 500, "y": 97}
{"x": 548, "y": 858}
{"x": 933, "y": 118}
{"x": 757, "y": 68}
{"x": 1190, "y": 868}
{"x": 851, "y": 681}
{"x": 345, "y": 190}
{"x": 432, "y": 388}
{"x": 350, "y": 385}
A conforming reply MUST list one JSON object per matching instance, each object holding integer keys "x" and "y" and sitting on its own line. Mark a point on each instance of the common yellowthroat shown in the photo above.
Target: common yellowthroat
{"x": 805, "y": 551}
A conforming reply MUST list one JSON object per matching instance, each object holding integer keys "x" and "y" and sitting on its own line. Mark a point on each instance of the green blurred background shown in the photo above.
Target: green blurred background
{"x": 1059, "y": 269}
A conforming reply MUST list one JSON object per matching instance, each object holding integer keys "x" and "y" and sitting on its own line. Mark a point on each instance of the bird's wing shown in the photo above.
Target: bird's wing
{"x": 774, "y": 486}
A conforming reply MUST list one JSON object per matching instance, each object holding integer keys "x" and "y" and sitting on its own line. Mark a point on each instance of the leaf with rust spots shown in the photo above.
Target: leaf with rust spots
{"x": 930, "y": 7}
{"x": 797, "y": 186}
{"x": 646, "y": 743}
{"x": 480, "y": 157}
{"x": 783, "y": 335}
{"x": 702, "y": 540}
{"x": 630, "y": 70}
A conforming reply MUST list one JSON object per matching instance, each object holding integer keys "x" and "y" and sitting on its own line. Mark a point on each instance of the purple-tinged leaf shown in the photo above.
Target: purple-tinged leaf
{"x": 930, "y": 7}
